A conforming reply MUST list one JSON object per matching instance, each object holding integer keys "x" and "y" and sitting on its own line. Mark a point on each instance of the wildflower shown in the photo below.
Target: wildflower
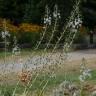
{"x": 56, "y": 13}
{"x": 20, "y": 61}
{"x": 53, "y": 75}
{"x": 93, "y": 93}
{"x": 77, "y": 93}
{"x": 85, "y": 72}
{"x": 47, "y": 20}
{"x": 81, "y": 78}
{"x": 67, "y": 89}
{"x": 16, "y": 50}
{"x": 5, "y": 34}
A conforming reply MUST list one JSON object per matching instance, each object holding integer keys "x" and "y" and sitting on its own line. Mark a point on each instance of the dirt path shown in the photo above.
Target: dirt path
{"x": 78, "y": 55}
{"x": 17, "y": 65}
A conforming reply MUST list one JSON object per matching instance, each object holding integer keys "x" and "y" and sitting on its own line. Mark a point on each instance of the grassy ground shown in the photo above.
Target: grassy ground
{"x": 27, "y": 52}
{"x": 71, "y": 69}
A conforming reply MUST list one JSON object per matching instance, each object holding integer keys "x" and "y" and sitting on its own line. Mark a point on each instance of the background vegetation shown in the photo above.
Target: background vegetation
{"x": 25, "y": 17}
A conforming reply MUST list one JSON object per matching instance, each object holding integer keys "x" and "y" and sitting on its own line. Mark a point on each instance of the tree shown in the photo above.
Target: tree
{"x": 12, "y": 10}
{"x": 32, "y": 10}
{"x": 65, "y": 7}
{"x": 32, "y": 13}
{"x": 89, "y": 16}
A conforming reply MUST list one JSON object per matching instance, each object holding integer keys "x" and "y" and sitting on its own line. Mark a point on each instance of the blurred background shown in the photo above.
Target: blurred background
{"x": 24, "y": 19}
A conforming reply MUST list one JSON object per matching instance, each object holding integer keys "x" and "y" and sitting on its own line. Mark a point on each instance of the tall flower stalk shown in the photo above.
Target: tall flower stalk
{"x": 47, "y": 22}
{"x": 75, "y": 23}
{"x": 56, "y": 17}
{"x": 5, "y": 35}
{"x": 85, "y": 74}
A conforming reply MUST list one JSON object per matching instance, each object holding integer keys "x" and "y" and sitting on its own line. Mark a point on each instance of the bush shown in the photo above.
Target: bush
{"x": 28, "y": 38}
{"x": 28, "y": 34}
{"x": 81, "y": 37}
{"x": 25, "y": 32}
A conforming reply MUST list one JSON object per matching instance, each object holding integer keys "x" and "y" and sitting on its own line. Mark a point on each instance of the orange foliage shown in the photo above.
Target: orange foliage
{"x": 29, "y": 27}
{"x": 24, "y": 27}
{"x": 25, "y": 77}
{"x": 12, "y": 28}
{"x": 9, "y": 26}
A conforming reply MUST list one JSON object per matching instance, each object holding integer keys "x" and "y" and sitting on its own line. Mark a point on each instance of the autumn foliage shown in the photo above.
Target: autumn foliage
{"x": 29, "y": 27}
{"x": 25, "y": 32}
{"x": 24, "y": 27}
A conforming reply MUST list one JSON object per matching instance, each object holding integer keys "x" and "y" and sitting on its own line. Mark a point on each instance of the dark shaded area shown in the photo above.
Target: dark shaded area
{"x": 32, "y": 10}
{"x": 89, "y": 16}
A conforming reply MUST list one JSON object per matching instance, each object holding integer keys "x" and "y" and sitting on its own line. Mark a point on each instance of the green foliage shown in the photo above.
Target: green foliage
{"x": 32, "y": 13}
{"x": 89, "y": 12}
{"x": 80, "y": 39}
{"x": 16, "y": 10}
{"x": 30, "y": 38}
{"x": 32, "y": 10}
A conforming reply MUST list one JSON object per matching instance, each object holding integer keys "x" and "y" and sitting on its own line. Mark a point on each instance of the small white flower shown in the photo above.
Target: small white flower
{"x": 47, "y": 20}
{"x": 20, "y": 61}
{"x": 16, "y": 50}
{"x": 87, "y": 73}
{"x": 5, "y": 34}
{"x": 73, "y": 26}
{"x": 81, "y": 78}
{"x": 76, "y": 93}
{"x": 93, "y": 93}
{"x": 58, "y": 14}
{"x": 44, "y": 22}
{"x": 54, "y": 15}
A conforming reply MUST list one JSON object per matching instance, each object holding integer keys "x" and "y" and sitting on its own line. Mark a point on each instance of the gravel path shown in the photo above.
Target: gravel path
{"x": 39, "y": 60}
{"x": 78, "y": 55}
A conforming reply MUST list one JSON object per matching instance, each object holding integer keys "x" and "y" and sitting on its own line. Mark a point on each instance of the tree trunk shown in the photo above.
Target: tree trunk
{"x": 91, "y": 39}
